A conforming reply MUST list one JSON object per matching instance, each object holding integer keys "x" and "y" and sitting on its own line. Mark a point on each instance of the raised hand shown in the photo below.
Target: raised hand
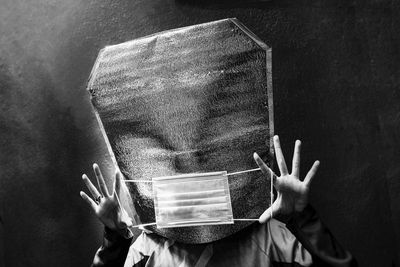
{"x": 105, "y": 205}
{"x": 292, "y": 192}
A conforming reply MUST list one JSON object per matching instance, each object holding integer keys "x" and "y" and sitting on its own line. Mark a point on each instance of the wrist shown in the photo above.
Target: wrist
{"x": 300, "y": 217}
{"x": 126, "y": 233}
{"x": 113, "y": 233}
{"x": 284, "y": 218}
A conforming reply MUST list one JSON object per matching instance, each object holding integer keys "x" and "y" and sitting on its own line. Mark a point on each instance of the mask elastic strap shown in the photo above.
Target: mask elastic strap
{"x": 271, "y": 192}
{"x": 246, "y": 171}
{"x": 229, "y": 174}
{"x": 142, "y": 225}
{"x": 246, "y": 220}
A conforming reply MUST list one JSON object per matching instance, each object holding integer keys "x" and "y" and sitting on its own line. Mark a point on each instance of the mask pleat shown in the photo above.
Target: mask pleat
{"x": 195, "y": 212}
{"x": 192, "y": 202}
{"x": 191, "y": 195}
{"x": 195, "y": 199}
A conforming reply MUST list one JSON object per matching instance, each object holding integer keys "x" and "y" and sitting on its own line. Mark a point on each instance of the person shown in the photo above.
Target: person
{"x": 293, "y": 236}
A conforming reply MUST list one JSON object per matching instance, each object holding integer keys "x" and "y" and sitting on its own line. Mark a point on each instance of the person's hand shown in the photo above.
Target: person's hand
{"x": 107, "y": 206}
{"x": 292, "y": 192}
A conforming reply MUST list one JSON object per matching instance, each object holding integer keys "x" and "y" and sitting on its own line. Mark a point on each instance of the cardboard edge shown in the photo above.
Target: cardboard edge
{"x": 249, "y": 33}
{"x": 165, "y": 32}
{"x": 92, "y": 75}
{"x": 270, "y": 104}
{"x": 126, "y": 200}
{"x": 270, "y": 94}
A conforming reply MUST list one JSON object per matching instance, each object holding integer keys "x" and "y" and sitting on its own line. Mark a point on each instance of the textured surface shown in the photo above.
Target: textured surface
{"x": 336, "y": 68}
{"x": 188, "y": 100}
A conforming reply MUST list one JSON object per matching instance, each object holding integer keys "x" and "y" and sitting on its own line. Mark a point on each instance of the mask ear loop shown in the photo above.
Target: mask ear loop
{"x": 140, "y": 226}
{"x": 229, "y": 174}
{"x": 143, "y": 225}
{"x": 272, "y": 201}
{"x": 271, "y": 192}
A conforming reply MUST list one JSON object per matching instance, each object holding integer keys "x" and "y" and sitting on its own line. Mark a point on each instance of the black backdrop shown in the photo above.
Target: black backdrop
{"x": 336, "y": 80}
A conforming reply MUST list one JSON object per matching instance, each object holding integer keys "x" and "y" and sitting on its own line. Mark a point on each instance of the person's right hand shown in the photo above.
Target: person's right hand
{"x": 107, "y": 206}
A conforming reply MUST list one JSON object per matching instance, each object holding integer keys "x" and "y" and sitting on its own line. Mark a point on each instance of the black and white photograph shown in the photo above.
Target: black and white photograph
{"x": 199, "y": 133}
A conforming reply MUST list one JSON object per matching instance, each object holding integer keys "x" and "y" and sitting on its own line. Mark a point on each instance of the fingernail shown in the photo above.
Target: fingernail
{"x": 96, "y": 168}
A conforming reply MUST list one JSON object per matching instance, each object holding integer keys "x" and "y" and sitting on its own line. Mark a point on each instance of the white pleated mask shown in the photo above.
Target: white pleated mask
{"x": 192, "y": 200}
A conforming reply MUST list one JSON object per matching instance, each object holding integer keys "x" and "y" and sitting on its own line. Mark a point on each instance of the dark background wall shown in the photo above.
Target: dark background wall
{"x": 336, "y": 80}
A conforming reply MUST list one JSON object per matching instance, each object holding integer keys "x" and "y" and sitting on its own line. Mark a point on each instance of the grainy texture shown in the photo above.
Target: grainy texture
{"x": 336, "y": 84}
{"x": 188, "y": 100}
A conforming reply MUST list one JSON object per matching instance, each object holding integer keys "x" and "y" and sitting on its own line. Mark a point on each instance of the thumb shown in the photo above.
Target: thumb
{"x": 268, "y": 213}
{"x": 126, "y": 219}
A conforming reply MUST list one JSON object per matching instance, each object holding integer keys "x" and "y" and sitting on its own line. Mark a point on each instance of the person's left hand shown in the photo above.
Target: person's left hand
{"x": 106, "y": 206}
{"x": 292, "y": 192}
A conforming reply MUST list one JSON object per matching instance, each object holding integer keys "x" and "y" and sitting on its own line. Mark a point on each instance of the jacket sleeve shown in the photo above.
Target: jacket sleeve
{"x": 113, "y": 251}
{"x": 318, "y": 240}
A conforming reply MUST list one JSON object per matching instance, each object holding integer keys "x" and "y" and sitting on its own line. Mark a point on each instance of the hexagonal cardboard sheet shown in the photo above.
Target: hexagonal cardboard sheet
{"x": 194, "y": 99}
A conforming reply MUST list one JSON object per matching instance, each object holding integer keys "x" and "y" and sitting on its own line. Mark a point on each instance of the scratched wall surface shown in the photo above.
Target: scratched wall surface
{"x": 336, "y": 81}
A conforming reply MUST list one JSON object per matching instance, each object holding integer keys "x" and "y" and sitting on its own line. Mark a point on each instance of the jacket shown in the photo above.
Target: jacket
{"x": 302, "y": 241}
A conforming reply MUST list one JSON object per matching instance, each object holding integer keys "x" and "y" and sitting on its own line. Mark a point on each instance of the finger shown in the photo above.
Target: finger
{"x": 296, "y": 159}
{"x": 126, "y": 219}
{"x": 311, "y": 173}
{"x": 90, "y": 186}
{"x": 88, "y": 200}
{"x": 117, "y": 182}
{"x": 264, "y": 168}
{"x": 100, "y": 180}
{"x": 268, "y": 213}
{"x": 279, "y": 156}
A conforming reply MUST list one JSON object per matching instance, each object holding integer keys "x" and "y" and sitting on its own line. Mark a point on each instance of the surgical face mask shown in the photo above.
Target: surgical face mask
{"x": 192, "y": 200}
